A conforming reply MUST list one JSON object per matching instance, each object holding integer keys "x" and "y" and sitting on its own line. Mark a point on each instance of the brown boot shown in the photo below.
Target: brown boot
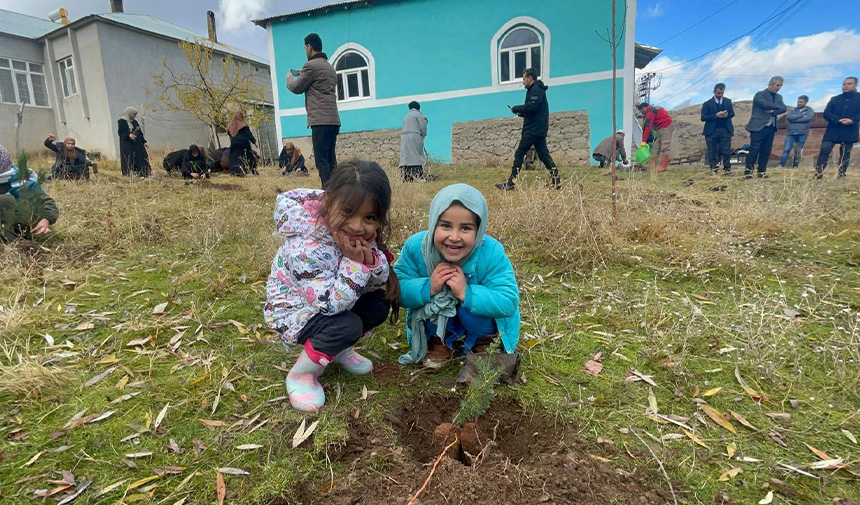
{"x": 664, "y": 163}
{"x": 437, "y": 353}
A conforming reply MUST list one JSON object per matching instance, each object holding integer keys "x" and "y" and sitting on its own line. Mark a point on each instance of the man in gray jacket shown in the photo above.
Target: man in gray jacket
{"x": 318, "y": 81}
{"x": 798, "y": 129}
{"x": 767, "y": 106}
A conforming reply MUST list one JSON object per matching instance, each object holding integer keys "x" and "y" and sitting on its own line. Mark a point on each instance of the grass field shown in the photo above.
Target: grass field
{"x": 134, "y": 363}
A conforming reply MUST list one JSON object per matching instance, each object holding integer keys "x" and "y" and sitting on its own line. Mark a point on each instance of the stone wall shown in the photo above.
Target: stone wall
{"x": 493, "y": 141}
{"x": 381, "y": 146}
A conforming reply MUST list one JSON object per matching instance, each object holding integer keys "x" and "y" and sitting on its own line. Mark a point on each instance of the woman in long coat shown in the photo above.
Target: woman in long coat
{"x": 132, "y": 145}
{"x": 412, "y": 135}
{"x": 242, "y": 157}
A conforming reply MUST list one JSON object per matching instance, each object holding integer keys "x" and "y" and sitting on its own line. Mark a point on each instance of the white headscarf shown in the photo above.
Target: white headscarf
{"x": 127, "y": 113}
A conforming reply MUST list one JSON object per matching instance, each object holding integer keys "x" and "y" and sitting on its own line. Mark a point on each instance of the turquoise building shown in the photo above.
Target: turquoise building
{"x": 461, "y": 59}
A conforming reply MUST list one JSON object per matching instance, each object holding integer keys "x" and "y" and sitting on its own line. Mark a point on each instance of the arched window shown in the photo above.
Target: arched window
{"x": 353, "y": 76}
{"x": 519, "y": 49}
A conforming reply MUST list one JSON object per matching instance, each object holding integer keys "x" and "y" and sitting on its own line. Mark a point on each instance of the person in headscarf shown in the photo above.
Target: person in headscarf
{"x": 190, "y": 163}
{"x": 71, "y": 162}
{"x": 412, "y": 135}
{"x": 219, "y": 160}
{"x": 458, "y": 285}
{"x": 132, "y": 145}
{"x": 243, "y": 160}
{"x": 291, "y": 160}
{"x": 25, "y": 209}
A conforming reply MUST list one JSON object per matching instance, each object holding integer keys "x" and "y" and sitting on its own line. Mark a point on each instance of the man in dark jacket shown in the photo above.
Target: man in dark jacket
{"x": 717, "y": 114}
{"x": 71, "y": 162}
{"x": 535, "y": 114}
{"x": 767, "y": 106}
{"x": 843, "y": 127}
{"x": 318, "y": 81}
{"x": 799, "y": 120}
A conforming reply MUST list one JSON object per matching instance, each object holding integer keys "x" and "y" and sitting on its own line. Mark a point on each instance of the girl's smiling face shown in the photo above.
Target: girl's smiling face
{"x": 455, "y": 233}
{"x": 355, "y": 223}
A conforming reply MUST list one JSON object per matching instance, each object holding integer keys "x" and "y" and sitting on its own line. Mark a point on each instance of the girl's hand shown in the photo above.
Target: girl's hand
{"x": 353, "y": 252}
{"x": 367, "y": 245}
{"x": 457, "y": 283}
{"x": 440, "y": 276}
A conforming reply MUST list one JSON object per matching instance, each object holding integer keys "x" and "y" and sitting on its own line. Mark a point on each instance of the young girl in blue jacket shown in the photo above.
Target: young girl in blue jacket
{"x": 454, "y": 277}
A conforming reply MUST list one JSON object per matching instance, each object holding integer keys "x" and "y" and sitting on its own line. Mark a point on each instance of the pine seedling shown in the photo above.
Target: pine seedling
{"x": 481, "y": 391}
{"x": 23, "y": 213}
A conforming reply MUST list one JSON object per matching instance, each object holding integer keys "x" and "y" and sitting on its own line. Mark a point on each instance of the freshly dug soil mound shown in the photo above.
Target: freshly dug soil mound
{"x": 529, "y": 460}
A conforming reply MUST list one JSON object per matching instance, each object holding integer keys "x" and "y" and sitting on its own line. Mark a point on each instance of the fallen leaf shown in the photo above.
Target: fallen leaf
{"x": 169, "y": 470}
{"x": 125, "y": 397}
{"x": 767, "y": 499}
{"x": 750, "y": 391}
{"x": 138, "y": 342}
{"x": 777, "y": 437}
{"x": 212, "y": 424}
{"x": 528, "y": 344}
{"x": 160, "y": 308}
{"x": 233, "y": 471}
{"x": 635, "y": 375}
{"x": 593, "y": 368}
{"x": 821, "y": 454}
{"x": 136, "y": 484}
{"x": 110, "y": 488}
{"x": 781, "y": 417}
{"x": 712, "y": 392}
{"x": 652, "y": 401}
{"x": 826, "y": 464}
{"x": 696, "y": 439}
{"x": 174, "y": 447}
{"x": 717, "y": 417}
{"x": 95, "y": 380}
{"x": 78, "y": 490}
{"x": 302, "y": 434}
{"x": 730, "y": 473}
{"x": 33, "y": 459}
{"x": 85, "y": 326}
{"x": 731, "y": 449}
{"x": 49, "y": 339}
{"x": 143, "y": 454}
{"x": 101, "y": 417}
{"x": 850, "y": 436}
{"x": 160, "y": 417}
{"x": 742, "y": 420}
{"x": 248, "y": 447}
{"x": 220, "y": 487}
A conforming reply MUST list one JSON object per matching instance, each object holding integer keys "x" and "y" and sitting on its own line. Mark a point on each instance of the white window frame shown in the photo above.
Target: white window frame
{"x": 342, "y": 75}
{"x": 68, "y": 76}
{"x": 29, "y": 74}
{"x": 512, "y": 51}
{"x": 496, "y": 50}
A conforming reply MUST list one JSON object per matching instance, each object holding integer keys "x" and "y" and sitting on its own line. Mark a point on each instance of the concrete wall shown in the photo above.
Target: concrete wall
{"x": 455, "y": 82}
{"x": 493, "y": 141}
{"x": 38, "y": 121}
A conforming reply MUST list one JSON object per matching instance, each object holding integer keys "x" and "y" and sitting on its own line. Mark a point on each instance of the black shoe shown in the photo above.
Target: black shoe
{"x": 714, "y": 171}
{"x": 762, "y": 175}
{"x": 555, "y": 182}
{"x": 748, "y": 175}
{"x": 506, "y": 186}
{"x": 727, "y": 173}
{"x": 840, "y": 176}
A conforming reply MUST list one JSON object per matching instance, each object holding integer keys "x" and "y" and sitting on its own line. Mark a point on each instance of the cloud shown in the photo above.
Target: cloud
{"x": 236, "y": 15}
{"x": 655, "y": 11}
{"x": 813, "y": 65}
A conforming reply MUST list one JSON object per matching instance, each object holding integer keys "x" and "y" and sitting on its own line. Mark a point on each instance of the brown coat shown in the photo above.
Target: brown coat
{"x": 605, "y": 147}
{"x": 318, "y": 81}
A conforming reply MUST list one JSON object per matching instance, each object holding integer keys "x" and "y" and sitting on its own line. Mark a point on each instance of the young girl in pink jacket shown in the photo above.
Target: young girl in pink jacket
{"x": 331, "y": 280}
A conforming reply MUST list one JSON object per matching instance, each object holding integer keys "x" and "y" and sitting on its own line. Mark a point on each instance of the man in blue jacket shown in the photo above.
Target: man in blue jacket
{"x": 717, "y": 114}
{"x": 535, "y": 114}
{"x": 798, "y": 130}
{"x": 843, "y": 127}
{"x": 767, "y": 106}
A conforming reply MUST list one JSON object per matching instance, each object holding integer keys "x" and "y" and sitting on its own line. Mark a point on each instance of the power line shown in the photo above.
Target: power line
{"x": 709, "y": 16}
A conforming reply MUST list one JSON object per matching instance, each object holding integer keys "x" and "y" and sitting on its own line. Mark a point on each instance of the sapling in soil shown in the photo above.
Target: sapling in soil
{"x": 475, "y": 403}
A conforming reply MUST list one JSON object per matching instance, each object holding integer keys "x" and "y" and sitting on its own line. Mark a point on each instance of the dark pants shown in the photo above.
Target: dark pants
{"x": 719, "y": 148}
{"x": 331, "y": 334}
{"x": 526, "y": 141}
{"x": 464, "y": 326}
{"x": 844, "y": 156}
{"x": 761, "y": 143}
{"x": 411, "y": 173}
{"x": 324, "y": 138}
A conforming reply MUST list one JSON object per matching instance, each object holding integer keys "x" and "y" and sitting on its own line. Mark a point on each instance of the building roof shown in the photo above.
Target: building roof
{"x": 644, "y": 54}
{"x": 24, "y": 26}
{"x": 324, "y": 7}
{"x": 31, "y": 27}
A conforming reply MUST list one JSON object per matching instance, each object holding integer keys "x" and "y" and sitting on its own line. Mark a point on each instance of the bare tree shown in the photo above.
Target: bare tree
{"x": 614, "y": 39}
{"x": 209, "y": 90}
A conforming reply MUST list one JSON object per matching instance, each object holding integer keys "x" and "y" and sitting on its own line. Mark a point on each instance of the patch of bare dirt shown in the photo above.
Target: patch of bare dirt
{"x": 526, "y": 460}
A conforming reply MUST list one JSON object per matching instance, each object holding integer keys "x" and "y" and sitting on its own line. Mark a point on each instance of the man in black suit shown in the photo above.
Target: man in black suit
{"x": 717, "y": 114}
